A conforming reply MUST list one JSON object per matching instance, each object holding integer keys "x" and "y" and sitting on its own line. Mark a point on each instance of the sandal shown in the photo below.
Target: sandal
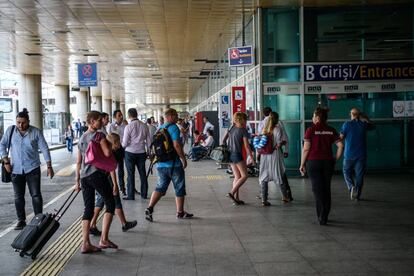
{"x": 266, "y": 203}
{"x": 91, "y": 249}
{"x": 235, "y": 201}
{"x": 108, "y": 245}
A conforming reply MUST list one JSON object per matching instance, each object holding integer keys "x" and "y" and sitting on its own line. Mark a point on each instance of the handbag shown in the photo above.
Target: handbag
{"x": 264, "y": 144}
{"x": 5, "y": 175}
{"x": 94, "y": 155}
{"x": 220, "y": 154}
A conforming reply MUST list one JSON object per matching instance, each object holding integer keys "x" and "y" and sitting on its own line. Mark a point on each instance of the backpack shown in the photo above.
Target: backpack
{"x": 220, "y": 154}
{"x": 162, "y": 145}
{"x": 264, "y": 143}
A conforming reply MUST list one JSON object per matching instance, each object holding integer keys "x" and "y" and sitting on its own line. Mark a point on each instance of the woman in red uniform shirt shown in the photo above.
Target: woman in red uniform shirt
{"x": 317, "y": 149}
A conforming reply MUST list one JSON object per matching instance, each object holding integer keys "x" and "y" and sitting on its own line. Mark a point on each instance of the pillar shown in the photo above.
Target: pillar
{"x": 113, "y": 104}
{"x": 96, "y": 103}
{"x": 82, "y": 103}
{"x": 106, "y": 97}
{"x": 122, "y": 107}
{"x": 61, "y": 94}
{"x": 30, "y": 97}
{"x": 96, "y": 98}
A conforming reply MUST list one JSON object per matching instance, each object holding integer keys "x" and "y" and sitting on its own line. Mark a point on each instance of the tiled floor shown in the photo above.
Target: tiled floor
{"x": 372, "y": 237}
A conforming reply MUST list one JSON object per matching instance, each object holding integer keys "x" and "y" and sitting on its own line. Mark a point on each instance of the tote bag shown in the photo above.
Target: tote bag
{"x": 94, "y": 155}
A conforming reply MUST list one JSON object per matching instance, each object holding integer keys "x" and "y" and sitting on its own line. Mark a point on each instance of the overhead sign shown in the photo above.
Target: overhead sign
{"x": 359, "y": 72}
{"x": 359, "y": 87}
{"x": 87, "y": 75}
{"x": 238, "y": 99}
{"x": 240, "y": 56}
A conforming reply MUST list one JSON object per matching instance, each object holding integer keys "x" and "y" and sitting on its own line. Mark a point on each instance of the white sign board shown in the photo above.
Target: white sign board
{"x": 409, "y": 108}
{"x": 224, "y": 113}
{"x": 359, "y": 87}
{"x": 398, "y": 109}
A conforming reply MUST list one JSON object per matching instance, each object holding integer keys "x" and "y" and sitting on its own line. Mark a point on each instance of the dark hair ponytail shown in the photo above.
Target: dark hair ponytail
{"x": 322, "y": 113}
{"x": 23, "y": 114}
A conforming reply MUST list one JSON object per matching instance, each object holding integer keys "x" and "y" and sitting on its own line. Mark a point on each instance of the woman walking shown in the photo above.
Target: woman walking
{"x": 69, "y": 136}
{"x": 93, "y": 179}
{"x": 237, "y": 137}
{"x": 317, "y": 150}
{"x": 272, "y": 166}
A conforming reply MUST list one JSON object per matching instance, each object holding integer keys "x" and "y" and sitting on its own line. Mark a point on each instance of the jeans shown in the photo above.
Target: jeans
{"x": 19, "y": 186}
{"x": 69, "y": 144}
{"x": 138, "y": 160}
{"x": 357, "y": 166}
{"x": 176, "y": 175}
{"x": 120, "y": 156}
{"x": 98, "y": 181}
{"x": 320, "y": 173}
{"x": 284, "y": 188}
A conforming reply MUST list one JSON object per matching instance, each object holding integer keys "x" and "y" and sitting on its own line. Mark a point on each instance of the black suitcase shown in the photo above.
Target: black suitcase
{"x": 39, "y": 230}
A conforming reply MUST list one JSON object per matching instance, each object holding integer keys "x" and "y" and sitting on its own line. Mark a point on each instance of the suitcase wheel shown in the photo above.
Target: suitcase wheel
{"x": 34, "y": 256}
{"x": 21, "y": 254}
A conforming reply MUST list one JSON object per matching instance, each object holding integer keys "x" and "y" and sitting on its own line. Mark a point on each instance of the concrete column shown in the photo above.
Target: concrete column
{"x": 96, "y": 98}
{"x": 117, "y": 105}
{"x": 113, "y": 104}
{"x": 61, "y": 94}
{"x": 30, "y": 97}
{"x": 106, "y": 97}
{"x": 82, "y": 103}
{"x": 122, "y": 107}
{"x": 96, "y": 103}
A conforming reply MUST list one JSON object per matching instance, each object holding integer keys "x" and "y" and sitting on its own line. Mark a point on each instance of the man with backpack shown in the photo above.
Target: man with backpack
{"x": 171, "y": 163}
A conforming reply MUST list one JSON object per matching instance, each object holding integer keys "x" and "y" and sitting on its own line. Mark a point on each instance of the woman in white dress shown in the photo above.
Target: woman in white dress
{"x": 272, "y": 166}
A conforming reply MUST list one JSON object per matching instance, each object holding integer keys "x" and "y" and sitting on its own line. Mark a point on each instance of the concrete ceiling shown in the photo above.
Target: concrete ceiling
{"x": 145, "y": 48}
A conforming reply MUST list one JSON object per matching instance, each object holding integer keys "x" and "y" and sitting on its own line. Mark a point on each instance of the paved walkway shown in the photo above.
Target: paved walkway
{"x": 371, "y": 237}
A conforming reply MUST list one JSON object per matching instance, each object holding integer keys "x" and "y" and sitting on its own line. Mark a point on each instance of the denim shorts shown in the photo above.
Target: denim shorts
{"x": 176, "y": 175}
{"x": 235, "y": 157}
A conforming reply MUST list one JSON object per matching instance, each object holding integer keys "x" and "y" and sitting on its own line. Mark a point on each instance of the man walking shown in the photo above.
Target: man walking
{"x": 172, "y": 170}
{"x": 24, "y": 142}
{"x": 354, "y": 133}
{"x": 118, "y": 127}
{"x": 136, "y": 142}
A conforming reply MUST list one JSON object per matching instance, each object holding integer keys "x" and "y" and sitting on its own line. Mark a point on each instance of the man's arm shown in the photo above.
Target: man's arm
{"x": 365, "y": 118}
{"x": 340, "y": 149}
{"x": 127, "y": 137}
{"x": 4, "y": 142}
{"x": 180, "y": 152}
{"x": 44, "y": 148}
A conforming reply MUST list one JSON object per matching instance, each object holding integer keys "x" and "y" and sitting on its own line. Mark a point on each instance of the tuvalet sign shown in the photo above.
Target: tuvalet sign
{"x": 359, "y": 72}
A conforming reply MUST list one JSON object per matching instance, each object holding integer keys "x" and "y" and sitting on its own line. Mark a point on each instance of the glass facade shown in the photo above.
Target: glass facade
{"x": 332, "y": 35}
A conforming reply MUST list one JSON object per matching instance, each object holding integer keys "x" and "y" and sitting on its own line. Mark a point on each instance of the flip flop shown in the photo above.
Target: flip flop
{"x": 109, "y": 245}
{"x": 235, "y": 201}
{"x": 92, "y": 249}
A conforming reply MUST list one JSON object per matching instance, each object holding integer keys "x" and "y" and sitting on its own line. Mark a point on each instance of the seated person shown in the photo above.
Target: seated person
{"x": 204, "y": 147}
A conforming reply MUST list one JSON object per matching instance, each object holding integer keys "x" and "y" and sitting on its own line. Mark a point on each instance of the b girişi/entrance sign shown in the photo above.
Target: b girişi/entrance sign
{"x": 240, "y": 56}
{"x": 87, "y": 75}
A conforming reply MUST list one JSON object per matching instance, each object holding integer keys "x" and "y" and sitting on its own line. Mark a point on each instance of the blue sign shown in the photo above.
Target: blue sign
{"x": 87, "y": 75}
{"x": 225, "y": 99}
{"x": 241, "y": 56}
{"x": 359, "y": 72}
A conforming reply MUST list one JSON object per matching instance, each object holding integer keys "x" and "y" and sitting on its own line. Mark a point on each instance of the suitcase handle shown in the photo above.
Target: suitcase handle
{"x": 66, "y": 206}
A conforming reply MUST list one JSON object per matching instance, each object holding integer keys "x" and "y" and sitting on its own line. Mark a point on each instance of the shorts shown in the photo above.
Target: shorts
{"x": 176, "y": 175}
{"x": 99, "y": 201}
{"x": 235, "y": 157}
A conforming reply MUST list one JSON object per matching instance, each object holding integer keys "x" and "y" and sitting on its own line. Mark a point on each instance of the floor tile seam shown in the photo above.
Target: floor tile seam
{"x": 358, "y": 254}
{"x": 142, "y": 252}
{"x": 297, "y": 250}
{"x": 228, "y": 220}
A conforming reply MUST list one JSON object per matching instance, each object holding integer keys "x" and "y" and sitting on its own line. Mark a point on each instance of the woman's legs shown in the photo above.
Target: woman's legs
{"x": 242, "y": 172}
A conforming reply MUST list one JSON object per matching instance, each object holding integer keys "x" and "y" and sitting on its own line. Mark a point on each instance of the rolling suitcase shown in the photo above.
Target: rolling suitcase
{"x": 39, "y": 230}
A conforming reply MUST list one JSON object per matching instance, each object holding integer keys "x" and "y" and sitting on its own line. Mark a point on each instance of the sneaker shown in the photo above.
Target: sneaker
{"x": 95, "y": 232}
{"x": 352, "y": 193}
{"x": 266, "y": 203}
{"x": 20, "y": 225}
{"x": 184, "y": 215}
{"x": 129, "y": 225}
{"x": 148, "y": 214}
